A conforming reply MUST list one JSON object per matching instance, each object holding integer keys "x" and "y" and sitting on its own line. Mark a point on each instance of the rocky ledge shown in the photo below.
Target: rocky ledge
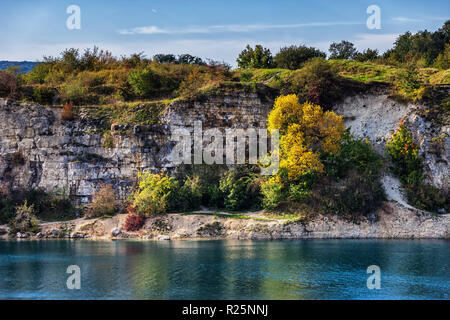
{"x": 390, "y": 221}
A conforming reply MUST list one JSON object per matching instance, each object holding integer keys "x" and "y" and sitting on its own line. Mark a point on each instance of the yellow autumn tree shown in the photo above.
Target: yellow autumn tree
{"x": 305, "y": 131}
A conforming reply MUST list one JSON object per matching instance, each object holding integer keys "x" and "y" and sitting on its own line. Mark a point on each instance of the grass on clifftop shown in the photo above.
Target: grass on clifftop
{"x": 135, "y": 90}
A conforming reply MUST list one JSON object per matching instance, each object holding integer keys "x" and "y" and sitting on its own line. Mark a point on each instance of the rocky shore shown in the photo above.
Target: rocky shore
{"x": 392, "y": 220}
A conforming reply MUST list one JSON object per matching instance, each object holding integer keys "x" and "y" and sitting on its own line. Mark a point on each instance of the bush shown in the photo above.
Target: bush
{"x": 8, "y": 84}
{"x": 241, "y": 189}
{"x": 294, "y": 57}
{"x": 6, "y": 204}
{"x": 134, "y": 222}
{"x": 443, "y": 59}
{"x": 407, "y": 164}
{"x": 207, "y": 179}
{"x": 39, "y": 73}
{"x": 43, "y": 95}
{"x": 300, "y": 190}
{"x": 404, "y": 152}
{"x": 74, "y": 91}
{"x": 103, "y": 202}
{"x": 358, "y": 193}
{"x": 194, "y": 82}
{"x": 24, "y": 220}
{"x": 246, "y": 76}
{"x": 351, "y": 186}
{"x": 48, "y": 206}
{"x": 160, "y": 193}
{"x": 408, "y": 84}
{"x": 272, "y": 191}
{"x": 190, "y": 194}
{"x": 68, "y": 112}
{"x": 427, "y": 197}
{"x": 354, "y": 153}
{"x": 144, "y": 82}
{"x": 316, "y": 82}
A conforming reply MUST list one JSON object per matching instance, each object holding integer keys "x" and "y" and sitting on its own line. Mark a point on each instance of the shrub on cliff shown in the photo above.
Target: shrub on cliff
{"x": 144, "y": 82}
{"x": 408, "y": 84}
{"x": 190, "y": 194}
{"x": 305, "y": 131}
{"x": 195, "y": 81}
{"x": 404, "y": 152}
{"x": 68, "y": 112}
{"x": 316, "y": 82}
{"x": 43, "y": 95}
{"x": 351, "y": 183}
{"x": 24, "y": 220}
{"x": 407, "y": 164}
{"x": 103, "y": 203}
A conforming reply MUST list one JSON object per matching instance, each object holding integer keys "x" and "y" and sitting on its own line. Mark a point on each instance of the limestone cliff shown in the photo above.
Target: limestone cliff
{"x": 39, "y": 149}
{"x": 376, "y": 117}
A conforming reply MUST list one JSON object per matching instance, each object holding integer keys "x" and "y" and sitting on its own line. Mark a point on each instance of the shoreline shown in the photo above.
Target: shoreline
{"x": 390, "y": 221}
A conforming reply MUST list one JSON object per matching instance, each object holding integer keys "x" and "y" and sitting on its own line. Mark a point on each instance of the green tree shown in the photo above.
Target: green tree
{"x": 165, "y": 58}
{"x": 294, "y": 57}
{"x": 443, "y": 59}
{"x": 255, "y": 58}
{"x": 367, "y": 55}
{"x": 342, "y": 50}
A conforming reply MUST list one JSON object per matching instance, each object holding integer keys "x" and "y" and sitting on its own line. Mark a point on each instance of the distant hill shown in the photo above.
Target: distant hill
{"x": 25, "y": 66}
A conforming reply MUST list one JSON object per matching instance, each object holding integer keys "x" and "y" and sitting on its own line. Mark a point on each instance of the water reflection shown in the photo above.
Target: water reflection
{"x": 309, "y": 269}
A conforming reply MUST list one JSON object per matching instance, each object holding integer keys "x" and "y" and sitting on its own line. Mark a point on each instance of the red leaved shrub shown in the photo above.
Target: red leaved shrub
{"x": 134, "y": 222}
{"x": 68, "y": 112}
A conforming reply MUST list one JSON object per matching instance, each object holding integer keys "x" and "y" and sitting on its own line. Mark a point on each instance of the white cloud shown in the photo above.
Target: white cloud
{"x": 382, "y": 42}
{"x": 149, "y": 30}
{"x": 405, "y": 19}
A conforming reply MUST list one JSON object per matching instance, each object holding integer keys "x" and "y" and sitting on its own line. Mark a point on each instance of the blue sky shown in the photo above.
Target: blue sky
{"x": 206, "y": 28}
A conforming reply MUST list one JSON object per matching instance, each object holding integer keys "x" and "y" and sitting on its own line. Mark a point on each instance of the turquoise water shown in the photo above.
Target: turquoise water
{"x": 301, "y": 269}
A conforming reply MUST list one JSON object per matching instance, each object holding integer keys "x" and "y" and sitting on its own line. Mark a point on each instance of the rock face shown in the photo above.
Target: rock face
{"x": 39, "y": 149}
{"x": 376, "y": 117}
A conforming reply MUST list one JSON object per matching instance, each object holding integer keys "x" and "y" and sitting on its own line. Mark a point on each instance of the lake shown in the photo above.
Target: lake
{"x": 225, "y": 269}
